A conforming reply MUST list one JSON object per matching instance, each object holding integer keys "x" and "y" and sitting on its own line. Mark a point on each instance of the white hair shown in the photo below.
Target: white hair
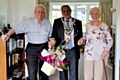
{"x": 95, "y": 9}
{"x": 41, "y": 5}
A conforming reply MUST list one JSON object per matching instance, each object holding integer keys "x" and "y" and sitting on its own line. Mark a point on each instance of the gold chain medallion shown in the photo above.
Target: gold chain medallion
{"x": 68, "y": 32}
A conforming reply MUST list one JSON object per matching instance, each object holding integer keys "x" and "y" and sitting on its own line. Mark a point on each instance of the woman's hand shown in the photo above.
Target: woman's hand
{"x": 105, "y": 54}
{"x": 80, "y": 41}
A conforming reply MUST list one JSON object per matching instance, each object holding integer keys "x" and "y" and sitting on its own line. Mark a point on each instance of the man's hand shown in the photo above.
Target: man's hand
{"x": 51, "y": 43}
{"x": 80, "y": 41}
{"x": 5, "y": 37}
{"x": 105, "y": 54}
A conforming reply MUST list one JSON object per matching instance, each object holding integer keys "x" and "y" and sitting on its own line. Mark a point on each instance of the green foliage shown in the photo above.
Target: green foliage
{"x": 84, "y": 26}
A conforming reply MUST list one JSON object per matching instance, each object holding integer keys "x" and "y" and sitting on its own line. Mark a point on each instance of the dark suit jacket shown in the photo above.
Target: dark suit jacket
{"x": 58, "y": 33}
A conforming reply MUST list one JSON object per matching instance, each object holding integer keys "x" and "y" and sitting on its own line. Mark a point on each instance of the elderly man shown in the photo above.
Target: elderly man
{"x": 38, "y": 30}
{"x": 63, "y": 27}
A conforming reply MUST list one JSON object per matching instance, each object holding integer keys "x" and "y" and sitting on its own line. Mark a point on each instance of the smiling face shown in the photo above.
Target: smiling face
{"x": 95, "y": 14}
{"x": 66, "y": 11}
{"x": 39, "y": 12}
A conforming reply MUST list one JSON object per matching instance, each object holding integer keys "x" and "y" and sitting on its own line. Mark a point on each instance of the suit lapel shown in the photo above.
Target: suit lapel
{"x": 75, "y": 27}
{"x": 62, "y": 28}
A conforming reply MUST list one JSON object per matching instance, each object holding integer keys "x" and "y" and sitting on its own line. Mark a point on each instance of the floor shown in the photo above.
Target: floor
{"x": 81, "y": 75}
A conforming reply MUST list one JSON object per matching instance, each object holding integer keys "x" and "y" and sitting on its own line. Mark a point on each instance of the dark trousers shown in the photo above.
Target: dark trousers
{"x": 71, "y": 58}
{"x": 32, "y": 52}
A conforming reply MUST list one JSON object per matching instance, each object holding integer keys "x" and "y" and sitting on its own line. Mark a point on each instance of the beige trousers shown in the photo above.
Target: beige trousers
{"x": 93, "y": 70}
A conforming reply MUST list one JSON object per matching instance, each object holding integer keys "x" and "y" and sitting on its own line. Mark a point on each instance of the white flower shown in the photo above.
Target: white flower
{"x": 67, "y": 38}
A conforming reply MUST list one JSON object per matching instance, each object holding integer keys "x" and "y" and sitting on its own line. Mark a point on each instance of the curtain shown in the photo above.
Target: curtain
{"x": 47, "y": 5}
{"x": 106, "y": 16}
{"x": 106, "y": 13}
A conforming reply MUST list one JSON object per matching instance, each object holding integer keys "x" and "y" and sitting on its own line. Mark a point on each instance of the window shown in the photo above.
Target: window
{"x": 79, "y": 11}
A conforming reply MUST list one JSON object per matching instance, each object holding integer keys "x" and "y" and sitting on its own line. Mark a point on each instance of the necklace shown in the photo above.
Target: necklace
{"x": 68, "y": 32}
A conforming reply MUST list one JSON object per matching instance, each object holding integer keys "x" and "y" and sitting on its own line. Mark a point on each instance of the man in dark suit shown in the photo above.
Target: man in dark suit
{"x": 60, "y": 31}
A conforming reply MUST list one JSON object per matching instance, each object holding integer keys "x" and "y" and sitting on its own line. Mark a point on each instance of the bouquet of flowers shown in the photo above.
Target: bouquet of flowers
{"x": 54, "y": 57}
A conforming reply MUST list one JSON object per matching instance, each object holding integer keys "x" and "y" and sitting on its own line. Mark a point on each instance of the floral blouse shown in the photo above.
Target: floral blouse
{"x": 98, "y": 38}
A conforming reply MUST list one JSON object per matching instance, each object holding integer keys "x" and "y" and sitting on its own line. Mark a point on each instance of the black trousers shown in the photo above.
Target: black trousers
{"x": 32, "y": 51}
{"x": 72, "y": 59}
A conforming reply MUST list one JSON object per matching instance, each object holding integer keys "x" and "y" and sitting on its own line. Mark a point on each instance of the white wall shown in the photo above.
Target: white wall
{"x": 19, "y": 10}
{"x": 3, "y": 12}
{"x": 116, "y": 28}
{"x": 117, "y": 41}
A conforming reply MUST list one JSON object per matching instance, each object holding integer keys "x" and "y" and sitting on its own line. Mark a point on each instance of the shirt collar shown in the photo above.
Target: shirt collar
{"x": 68, "y": 19}
{"x": 35, "y": 20}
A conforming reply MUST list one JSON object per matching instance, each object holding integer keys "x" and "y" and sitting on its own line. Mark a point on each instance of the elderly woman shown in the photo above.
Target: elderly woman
{"x": 97, "y": 47}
